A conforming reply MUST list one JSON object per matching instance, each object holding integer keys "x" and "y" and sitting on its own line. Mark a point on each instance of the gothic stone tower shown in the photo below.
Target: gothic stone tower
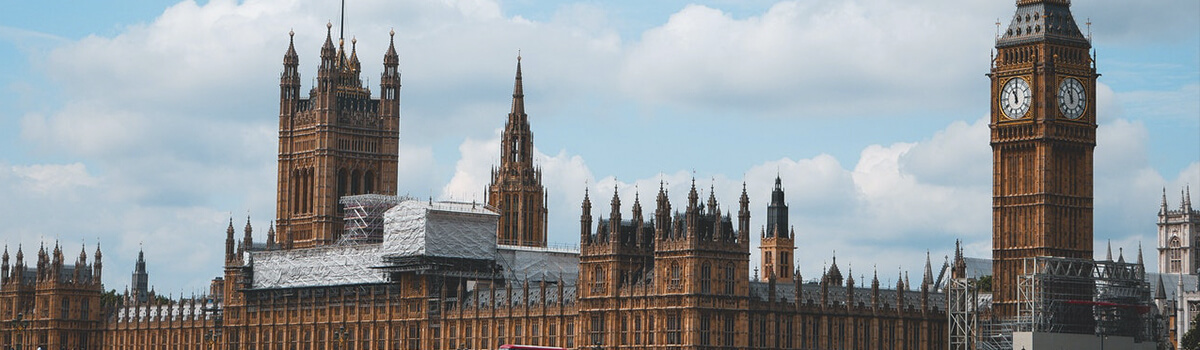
{"x": 778, "y": 244}
{"x": 54, "y": 305}
{"x": 1178, "y": 237}
{"x": 1043, "y": 131}
{"x": 335, "y": 143}
{"x": 141, "y": 279}
{"x": 664, "y": 274}
{"x": 516, "y": 189}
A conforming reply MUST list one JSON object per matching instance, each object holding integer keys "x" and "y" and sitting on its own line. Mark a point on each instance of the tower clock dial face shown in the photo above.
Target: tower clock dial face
{"x": 1015, "y": 98}
{"x": 1071, "y": 98}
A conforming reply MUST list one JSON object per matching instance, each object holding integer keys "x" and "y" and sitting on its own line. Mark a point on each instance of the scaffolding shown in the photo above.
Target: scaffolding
{"x": 1080, "y": 296}
{"x": 1056, "y": 295}
{"x": 963, "y": 312}
{"x": 363, "y": 217}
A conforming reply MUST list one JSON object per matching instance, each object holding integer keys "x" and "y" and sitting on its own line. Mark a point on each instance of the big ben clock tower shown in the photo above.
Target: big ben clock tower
{"x": 1043, "y": 131}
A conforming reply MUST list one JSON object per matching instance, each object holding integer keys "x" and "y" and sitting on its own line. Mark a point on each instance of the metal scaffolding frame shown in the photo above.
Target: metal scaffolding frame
{"x": 963, "y": 312}
{"x": 1056, "y": 295}
{"x": 363, "y": 217}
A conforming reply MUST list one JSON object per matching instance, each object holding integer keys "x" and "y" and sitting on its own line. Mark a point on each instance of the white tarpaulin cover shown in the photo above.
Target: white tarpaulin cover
{"x": 321, "y": 266}
{"x": 538, "y": 264}
{"x": 442, "y": 229}
{"x": 411, "y": 228}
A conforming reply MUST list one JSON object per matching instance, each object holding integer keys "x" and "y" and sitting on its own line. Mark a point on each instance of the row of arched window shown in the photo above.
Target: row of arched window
{"x": 349, "y": 182}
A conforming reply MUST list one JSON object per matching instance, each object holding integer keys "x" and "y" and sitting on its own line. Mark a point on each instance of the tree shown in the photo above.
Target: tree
{"x": 984, "y": 283}
{"x": 1191, "y": 339}
{"x": 111, "y": 299}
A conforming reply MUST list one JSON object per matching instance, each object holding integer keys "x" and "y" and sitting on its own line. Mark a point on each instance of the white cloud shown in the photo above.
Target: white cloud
{"x": 811, "y": 58}
{"x": 54, "y": 179}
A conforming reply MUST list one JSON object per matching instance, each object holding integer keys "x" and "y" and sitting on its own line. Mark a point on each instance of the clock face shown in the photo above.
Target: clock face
{"x": 1071, "y": 98}
{"x": 1015, "y": 98}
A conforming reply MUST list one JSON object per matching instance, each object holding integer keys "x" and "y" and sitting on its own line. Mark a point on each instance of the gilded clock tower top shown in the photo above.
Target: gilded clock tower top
{"x": 1042, "y": 21}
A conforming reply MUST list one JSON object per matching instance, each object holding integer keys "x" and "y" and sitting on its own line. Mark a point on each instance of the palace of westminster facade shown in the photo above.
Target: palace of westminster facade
{"x": 675, "y": 278}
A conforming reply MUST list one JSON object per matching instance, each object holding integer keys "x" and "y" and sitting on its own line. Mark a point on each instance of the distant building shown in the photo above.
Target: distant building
{"x": 516, "y": 189}
{"x": 52, "y": 302}
{"x": 1179, "y": 236}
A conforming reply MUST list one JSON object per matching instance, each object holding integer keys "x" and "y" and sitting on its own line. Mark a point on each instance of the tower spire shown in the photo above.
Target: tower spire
{"x": 518, "y": 102}
{"x": 1163, "y": 208}
{"x": 1187, "y": 198}
{"x": 517, "y": 181}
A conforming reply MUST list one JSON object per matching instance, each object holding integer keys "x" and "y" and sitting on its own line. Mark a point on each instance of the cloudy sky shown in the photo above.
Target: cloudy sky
{"x": 150, "y": 123}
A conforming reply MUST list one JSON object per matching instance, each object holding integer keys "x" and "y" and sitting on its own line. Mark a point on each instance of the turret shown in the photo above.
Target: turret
{"x": 585, "y": 220}
{"x": 834, "y": 275}
{"x": 389, "y": 85}
{"x": 42, "y": 264}
{"x": 693, "y": 198}
{"x": 614, "y": 223}
{"x": 959, "y": 269}
{"x": 328, "y": 54}
{"x": 247, "y": 238}
{"x": 662, "y": 212}
{"x": 57, "y": 265}
{"x": 1187, "y": 199}
{"x": 744, "y": 218}
{"x": 927, "y": 279}
{"x": 874, "y": 290}
{"x": 18, "y": 272}
{"x": 4, "y": 266}
{"x": 926, "y": 283}
{"x": 229, "y": 249}
{"x": 799, "y": 286}
{"x": 289, "y": 80}
{"x": 1162, "y": 209}
{"x": 271, "y": 237}
{"x": 636, "y": 222}
{"x": 80, "y": 263}
{"x": 824, "y": 287}
{"x": 850, "y": 288}
{"x": 97, "y": 267}
{"x": 353, "y": 64}
{"x": 1140, "y": 261}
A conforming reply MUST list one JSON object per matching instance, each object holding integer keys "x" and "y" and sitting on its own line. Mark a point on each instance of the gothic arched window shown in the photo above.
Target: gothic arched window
{"x": 706, "y": 278}
{"x": 1175, "y": 255}
{"x": 729, "y": 279}
{"x": 597, "y": 280}
{"x": 676, "y": 276}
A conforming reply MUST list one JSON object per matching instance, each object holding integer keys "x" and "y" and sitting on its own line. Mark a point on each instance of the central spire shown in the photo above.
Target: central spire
{"x": 516, "y": 187}
{"x": 518, "y": 102}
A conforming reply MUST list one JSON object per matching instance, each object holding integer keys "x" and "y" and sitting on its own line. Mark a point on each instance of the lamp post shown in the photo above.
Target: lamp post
{"x": 340, "y": 335}
{"x": 211, "y": 336}
{"x": 20, "y": 324}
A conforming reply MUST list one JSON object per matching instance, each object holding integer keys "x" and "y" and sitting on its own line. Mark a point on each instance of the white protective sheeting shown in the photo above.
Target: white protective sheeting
{"x": 441, "y": 229}
{"x": 538, "y": 264}
{"x": 322, "y": 266}
{"x": 411, "y": 228}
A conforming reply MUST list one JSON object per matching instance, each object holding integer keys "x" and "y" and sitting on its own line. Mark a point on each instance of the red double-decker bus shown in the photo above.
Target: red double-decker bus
{"x": 529, "y": 347}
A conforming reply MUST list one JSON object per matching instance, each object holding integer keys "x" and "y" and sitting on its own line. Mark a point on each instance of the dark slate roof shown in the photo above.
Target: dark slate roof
{"x": 514, "y": 296}
{"x": 1042, "y": 21}
{"x": 66, "y": 275}
{"x": 786, "y": 292}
